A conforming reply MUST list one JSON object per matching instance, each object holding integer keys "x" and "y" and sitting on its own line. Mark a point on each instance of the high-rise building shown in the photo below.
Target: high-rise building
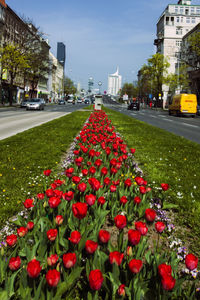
{"x": 175, "y": 21}
{"x": 61, "y": 53}
{"x": 114, "y": 83}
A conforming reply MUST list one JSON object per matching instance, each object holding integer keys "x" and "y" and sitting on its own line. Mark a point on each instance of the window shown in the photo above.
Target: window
{"x": 179, "y": 31}
{"x": 176, "y": 9}
{"x": 187, "y": 19}
{"x": 181, "y": 10}
{"x": 192, "y": 10}
{"x": 178, "y": 43}
{"x": 193, "y": 20}
{"x": 187, "y": 10}
{"x": 177, "y": 19}
{"x": 198, "y": 10}
{"x": 167, "y": 20}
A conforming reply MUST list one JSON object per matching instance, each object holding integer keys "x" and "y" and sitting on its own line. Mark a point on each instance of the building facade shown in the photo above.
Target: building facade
{"x": 56, "y": 79}
{"x": 114, "y": 83}
{"x": 176, "y": 21}
{"x": 14, "y": 31}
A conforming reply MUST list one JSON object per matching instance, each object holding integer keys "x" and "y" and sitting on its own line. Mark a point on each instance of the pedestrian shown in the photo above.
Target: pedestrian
{"x": 150, "y": 104}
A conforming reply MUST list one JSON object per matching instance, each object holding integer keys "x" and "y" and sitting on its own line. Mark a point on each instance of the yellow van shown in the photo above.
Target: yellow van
{"x": 184, "y": 104}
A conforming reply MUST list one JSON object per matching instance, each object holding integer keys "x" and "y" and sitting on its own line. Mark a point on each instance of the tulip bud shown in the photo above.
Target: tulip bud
{"x": 45, "y": 204}
{"x": 129, "y": 251}
{"x": 2, "y": 251}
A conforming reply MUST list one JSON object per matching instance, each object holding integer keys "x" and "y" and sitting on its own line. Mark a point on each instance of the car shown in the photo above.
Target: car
{"x": 43, "y": 101}
{"x": 198, "y": 109}
{"x": 61, "y": 102}
{"x": 70, "y": 99}
{"x": 24, "y": 103}
{"x": 35, "y": 104}
{"x": 87, "y": 101}
{"x": 135, "y": 105}
{"x": 79, "y": 100}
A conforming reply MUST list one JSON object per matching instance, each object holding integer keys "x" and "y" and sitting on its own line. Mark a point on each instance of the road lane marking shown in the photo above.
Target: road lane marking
{"x": 195, "y": 126}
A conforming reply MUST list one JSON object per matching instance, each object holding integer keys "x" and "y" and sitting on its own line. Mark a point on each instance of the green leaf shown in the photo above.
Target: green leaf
{"x": 71, "y": 281}
{"x": 38, "y": 291}
{"x": 169, "y": 205}
{"x": 4, "y": 295}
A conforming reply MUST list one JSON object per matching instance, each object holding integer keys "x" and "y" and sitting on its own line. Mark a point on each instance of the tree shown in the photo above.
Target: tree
{"x": 14, "y": 61}
{"x": 69, "y": 87}
{"x": 129, "y": 89}
{"x": 180, "y": 80}
{"x": 190, "y": 51}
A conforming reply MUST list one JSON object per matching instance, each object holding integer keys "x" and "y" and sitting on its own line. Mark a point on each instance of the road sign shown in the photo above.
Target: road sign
{"x": 150, "y": 96}
{"x": 125, "y": 97}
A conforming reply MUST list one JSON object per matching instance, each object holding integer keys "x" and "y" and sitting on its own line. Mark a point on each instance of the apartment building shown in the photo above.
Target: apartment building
{"x": 114, "y": 83}
{"x": 175, "y": 21}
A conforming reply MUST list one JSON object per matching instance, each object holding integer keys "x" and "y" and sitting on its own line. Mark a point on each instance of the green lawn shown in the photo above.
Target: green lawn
{"x": 24, "y": 156}
{"x": 168, "y": 158}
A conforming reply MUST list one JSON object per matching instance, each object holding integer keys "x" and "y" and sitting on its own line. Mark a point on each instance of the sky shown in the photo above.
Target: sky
{"x": 98, "y": 35}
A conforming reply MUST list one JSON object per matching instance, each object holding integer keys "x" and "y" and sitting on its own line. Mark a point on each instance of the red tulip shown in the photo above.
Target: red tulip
{"x": 160, "y": 226}
{"x": 79, "y": 210}
{"x": 164, "y": 186}
{"x": 75, "y": 237}
{"x": 123, "y": 200}
{"x": 28, "y": 203}
{"x": 191, "y": 261}
{"x": 34, "y": 268}
{"x": 22, "y": 231}
{"x": 14, "y": 263}
{"x": 68, "y": 195}
{"x": 135, "y": 265}
{"x": 121, "y": 290}
{"x": 101, "y": 200}
{"x": 104, "y": 236}
{"x": 91, "y": 246}
{"x": 168, "y": 282}
{"x": 59, "y": 219}
{"x": 137, "y": 200}
{"x": 120, "y": 221}
{"x": 47, "y": 172}
{"x": 141, "y": 227}
{"x": 76, "y": 179}
{"x": 95, "y": 279}
{"x": 52, "y": 278}
{"x": 52, "y": 260}
{"x": 150, "y": 214}
{"x": 134, "y": 237}
{"x": 164, "y": 269}
{"x": 69, "y": 260}
{"x": 90, "y": 199}
{"x": 52, "y": 234}
{"x": 30, "y": 225}
{"x": 11, "y": 240}
{"x": 82, "y": 187}
{"x": 69, "y": 172}
{"x": 116, "y": 257}
{"x": 54, "y": 202}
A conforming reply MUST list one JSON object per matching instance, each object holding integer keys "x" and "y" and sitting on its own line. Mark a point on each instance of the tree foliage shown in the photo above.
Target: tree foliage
{"x": 154, "y": 74}
{"x": 14, "y": 61}
{"x": 129, "y": 89}
{"x": 69, "y": 87}
{"x": 191, "y": 51}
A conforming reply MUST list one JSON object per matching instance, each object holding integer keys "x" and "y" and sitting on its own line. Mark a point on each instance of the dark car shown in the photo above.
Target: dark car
{"x": 198, "y": 109}
{"x": 135, "y": 105}
{"x": 61, "y": 102}
{"x": 87, "y": 101}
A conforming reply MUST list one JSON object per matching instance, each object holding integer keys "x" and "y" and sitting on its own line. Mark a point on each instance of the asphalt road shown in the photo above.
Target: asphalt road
{"x": 186, "y": 127}
{"x": 15, "y": 120}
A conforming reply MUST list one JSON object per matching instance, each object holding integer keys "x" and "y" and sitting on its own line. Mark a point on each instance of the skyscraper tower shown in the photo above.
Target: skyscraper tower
{"x": 61, "y": 53}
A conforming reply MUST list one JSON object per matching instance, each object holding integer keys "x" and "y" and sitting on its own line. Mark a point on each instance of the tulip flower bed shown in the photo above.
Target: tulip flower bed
{"x": 64, "y": 249}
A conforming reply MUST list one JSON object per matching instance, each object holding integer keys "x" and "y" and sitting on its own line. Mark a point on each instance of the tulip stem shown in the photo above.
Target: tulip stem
{"x": 157, "y": 242}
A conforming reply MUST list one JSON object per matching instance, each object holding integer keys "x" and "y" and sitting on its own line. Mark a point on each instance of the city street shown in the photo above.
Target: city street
{"x": 186, "y": 127}
{"x": 15, "y": 120}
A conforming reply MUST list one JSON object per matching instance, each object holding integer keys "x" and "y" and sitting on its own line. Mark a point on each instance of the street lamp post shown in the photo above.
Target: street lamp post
{"x": 99, "y": 84}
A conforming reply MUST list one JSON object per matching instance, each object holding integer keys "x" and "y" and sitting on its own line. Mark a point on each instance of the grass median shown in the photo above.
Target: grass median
{"x": 168, "y": 158}
{"x": 23, "y": 158}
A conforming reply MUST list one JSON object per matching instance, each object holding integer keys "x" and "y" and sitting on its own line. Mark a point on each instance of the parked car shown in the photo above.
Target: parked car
{"x": 87, "y": 101}
{"x": 70, "y": 99}
{"x": 24, "y": 103}
{"x": 43, "y": 101}
{"x": 35, "y": 104}
{"x": 135, "y": 105}
{"x": 198, "y": 109}
{"x": 61, "y": 102}
{"x": 79, "y": 100}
